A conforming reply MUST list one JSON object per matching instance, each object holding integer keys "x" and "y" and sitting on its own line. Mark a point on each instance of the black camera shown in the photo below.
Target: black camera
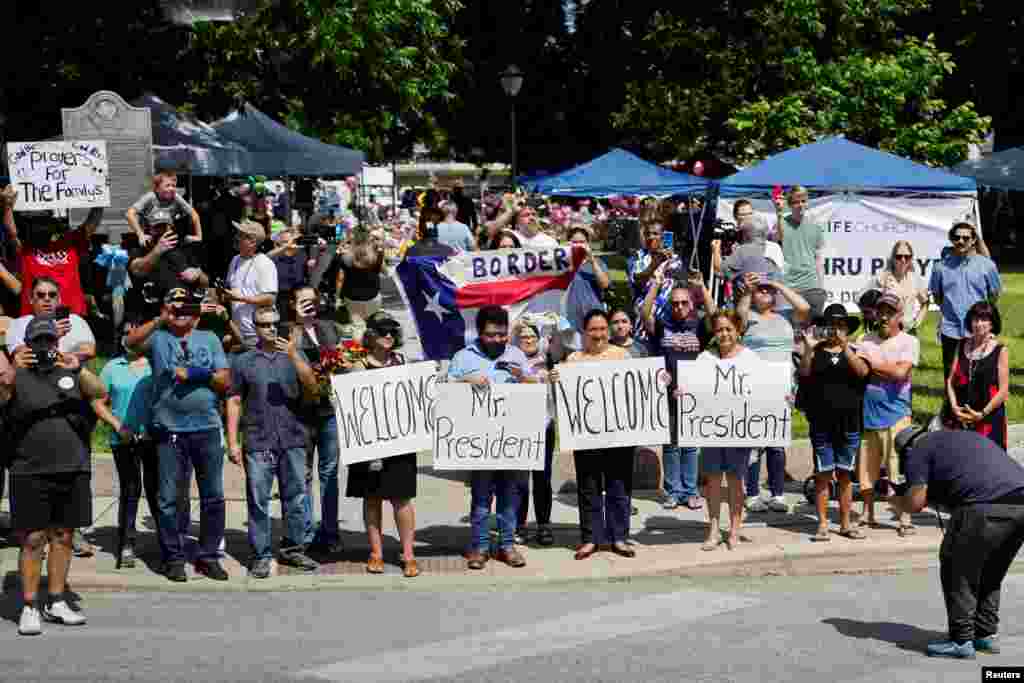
{"x": 727, "y": 233}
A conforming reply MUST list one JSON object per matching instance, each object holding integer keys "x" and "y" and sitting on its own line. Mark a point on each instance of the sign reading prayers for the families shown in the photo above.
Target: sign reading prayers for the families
{"x": 59, "y": 174}
{"x": 734, "y": 403}
{"x": 612, "y": 403}
{"x": 385, "y": 412}
{"x": 490, "y": 427}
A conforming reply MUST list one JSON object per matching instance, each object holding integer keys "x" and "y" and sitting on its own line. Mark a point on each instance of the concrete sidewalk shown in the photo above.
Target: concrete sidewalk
{"x": 667, "y": 542}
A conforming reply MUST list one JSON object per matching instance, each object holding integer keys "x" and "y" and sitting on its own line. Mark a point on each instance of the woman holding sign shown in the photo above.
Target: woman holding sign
{"x": 731, "y": 461}
{"x": 604, "y": 476}
{"x": 393, "y": 478}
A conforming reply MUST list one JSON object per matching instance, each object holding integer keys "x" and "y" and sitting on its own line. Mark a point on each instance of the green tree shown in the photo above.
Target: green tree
{"x": 747, "y": 82}
{"x": 362, "y": 74}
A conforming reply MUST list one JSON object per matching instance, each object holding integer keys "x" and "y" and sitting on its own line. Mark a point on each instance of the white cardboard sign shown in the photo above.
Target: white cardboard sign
{"x": 59, "y": 174}
{"x": 607, "y": 404}
{"x": 742, "y": 403}
{"x": 494, "y": 427}
{"x": 385, "y": 412}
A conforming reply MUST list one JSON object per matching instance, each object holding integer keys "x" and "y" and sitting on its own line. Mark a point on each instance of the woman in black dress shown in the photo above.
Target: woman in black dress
{"x": 393, "y": 478}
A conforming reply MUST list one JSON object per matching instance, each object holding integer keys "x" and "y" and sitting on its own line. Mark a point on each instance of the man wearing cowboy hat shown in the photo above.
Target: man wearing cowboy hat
{"x": 252, "y": 280}
{"x": 984, "y": 490}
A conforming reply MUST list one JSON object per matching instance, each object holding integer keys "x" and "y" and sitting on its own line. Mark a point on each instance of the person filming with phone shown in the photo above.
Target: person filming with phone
{"x": 74, "y": 334}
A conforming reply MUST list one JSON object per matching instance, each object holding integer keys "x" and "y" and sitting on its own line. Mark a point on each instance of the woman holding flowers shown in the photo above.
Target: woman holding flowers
{"x": 393, "y": 478}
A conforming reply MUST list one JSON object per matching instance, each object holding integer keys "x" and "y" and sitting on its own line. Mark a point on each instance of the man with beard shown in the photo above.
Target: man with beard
{"x": 892, "y": 355}
{"x": 490, "y": 359}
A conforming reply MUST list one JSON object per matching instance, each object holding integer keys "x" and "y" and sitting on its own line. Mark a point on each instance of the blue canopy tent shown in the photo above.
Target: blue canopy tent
{"x": 1002, "y": 170}
{"x": 184, "y": 143}
{"x": 275, "y": 150}
{"x": 838, "y": 165}
{"x": 616, "y": 173}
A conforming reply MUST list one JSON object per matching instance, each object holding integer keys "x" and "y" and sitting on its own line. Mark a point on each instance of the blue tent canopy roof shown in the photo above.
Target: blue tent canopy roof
{"x": 616, "y": 173}
{"x": 276, "y": 150}
{"x": 1003, "y": 170}
{"x": 836, "y": 163}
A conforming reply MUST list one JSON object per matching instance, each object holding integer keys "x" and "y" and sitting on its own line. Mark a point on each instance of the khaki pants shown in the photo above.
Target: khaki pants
{"x": 878, "y": 449}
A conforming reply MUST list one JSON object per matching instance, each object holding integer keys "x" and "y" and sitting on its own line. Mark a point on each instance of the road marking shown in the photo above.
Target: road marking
{"x": 453, "y": 657}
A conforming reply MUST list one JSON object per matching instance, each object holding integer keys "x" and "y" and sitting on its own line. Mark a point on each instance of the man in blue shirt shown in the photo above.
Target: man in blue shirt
{"x": 275, "y": 383}
{"x": 453, "y": 233}
{"x": 959, "y": 281}
{"x": 190, "y": 375}
{"x": 491, "y": 360}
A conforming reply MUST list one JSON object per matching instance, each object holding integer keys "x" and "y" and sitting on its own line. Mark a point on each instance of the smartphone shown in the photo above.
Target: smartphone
{"x": 668, "y": 240}
{"x": 62, "y": 313}
{"x": 284, "y": 330}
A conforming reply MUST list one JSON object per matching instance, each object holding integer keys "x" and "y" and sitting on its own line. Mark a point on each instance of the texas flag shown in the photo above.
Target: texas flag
{"x": 444, "y": 294}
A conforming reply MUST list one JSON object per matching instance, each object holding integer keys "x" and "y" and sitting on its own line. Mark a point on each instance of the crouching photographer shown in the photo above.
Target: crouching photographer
{"x": 50, "y": 424}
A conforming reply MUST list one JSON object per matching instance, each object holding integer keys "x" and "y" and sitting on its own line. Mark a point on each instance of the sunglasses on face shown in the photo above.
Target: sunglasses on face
{"x": 962, "y": 238}
{"x": 47, "y": 295}
{"x": 904, "y": 257}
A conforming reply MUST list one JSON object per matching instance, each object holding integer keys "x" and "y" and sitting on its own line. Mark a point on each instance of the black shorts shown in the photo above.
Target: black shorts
{"x": 51, "y": 501}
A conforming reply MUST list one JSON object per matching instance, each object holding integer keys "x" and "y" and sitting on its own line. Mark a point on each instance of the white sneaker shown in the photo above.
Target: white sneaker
{"x": 60, "y": 613}
{"x": 29, "y": 624}
{"x": 778, "y": 504}
{"x": 756, "y": 504}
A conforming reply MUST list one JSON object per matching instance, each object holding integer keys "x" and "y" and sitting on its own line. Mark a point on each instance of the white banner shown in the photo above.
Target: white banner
{"x": 734, "y": 403}
{"x": 861, "y": 231}
{"x": 59, "y": 174}
{"x": 612, "y": 403}
{"x": 385, "y": 412}
{"x": 494, "y": 427}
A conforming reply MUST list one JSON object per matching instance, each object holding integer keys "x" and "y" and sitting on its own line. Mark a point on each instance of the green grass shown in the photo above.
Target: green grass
{"x": 928, "y": 381}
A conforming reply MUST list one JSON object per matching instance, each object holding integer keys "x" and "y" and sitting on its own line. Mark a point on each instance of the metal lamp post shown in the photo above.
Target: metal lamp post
{"x": 511, "y": 82}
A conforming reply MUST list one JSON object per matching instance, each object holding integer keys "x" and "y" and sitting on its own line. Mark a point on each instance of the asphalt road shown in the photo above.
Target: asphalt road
{"x": 837, "y": 629}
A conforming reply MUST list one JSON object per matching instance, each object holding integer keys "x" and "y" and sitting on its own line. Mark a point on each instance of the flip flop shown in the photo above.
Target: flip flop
{"x": 821, "y": 537}
{"x": 906, "y": 530}
{"x": 853, "y": 534}
{"x": 710, "y": 545}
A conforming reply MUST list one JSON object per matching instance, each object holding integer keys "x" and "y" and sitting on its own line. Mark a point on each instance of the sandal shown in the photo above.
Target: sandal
{"x": 711, "y": 545}
{"x": 906, "y": 530}
{"x": 821, "y": 536}
{"x": 853, "y": 534}
{"x": 409, "y": 569}
{"x": 375, "y": 565}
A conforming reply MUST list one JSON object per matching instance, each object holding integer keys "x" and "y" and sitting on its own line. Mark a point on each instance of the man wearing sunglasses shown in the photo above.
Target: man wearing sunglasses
{"x": 271, "y": 385}
{"x": 190, "y": 375}
{"x": 960, "y": 280}
{"x": 75, "y": 334}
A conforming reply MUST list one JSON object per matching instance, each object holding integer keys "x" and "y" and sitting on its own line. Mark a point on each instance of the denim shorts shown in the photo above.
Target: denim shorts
{"x": 729, "y": 459}
{"x": 834, "y": 451}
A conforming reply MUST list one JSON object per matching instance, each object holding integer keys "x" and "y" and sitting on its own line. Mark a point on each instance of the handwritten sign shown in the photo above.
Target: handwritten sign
{"x": 59, "y": 174}
{"x": 741, "y": 403}
{"x": 496, "y": 427}
{"x": 609, "y": 404}
{"x": 385, "y": 412}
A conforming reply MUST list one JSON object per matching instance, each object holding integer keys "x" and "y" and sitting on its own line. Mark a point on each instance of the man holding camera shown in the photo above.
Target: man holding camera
{"x": 50, "y": 425}
{"x": 190, "y": 374}
{"x": 272, "y": 383}
{"x": 983, "y": 488}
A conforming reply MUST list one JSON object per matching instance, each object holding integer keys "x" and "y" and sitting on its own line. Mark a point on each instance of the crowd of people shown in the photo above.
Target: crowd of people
{"x": 218, "y": 370}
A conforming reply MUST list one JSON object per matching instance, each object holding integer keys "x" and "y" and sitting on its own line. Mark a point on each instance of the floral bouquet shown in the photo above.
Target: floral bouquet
{"x": 335, "y": 362}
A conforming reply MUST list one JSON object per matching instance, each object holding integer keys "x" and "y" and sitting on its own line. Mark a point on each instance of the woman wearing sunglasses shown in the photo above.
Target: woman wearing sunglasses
{"x": 901, "y": 277}
{"x": 393, "y": 478}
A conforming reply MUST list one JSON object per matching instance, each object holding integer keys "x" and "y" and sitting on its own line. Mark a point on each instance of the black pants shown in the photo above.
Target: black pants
{"x": 604, "y": 478}
{"x": 977, "y": 550}
{"x": 949, "y": 346}
{"x": 542, "y": 493}
{"x": 137, "y": 471}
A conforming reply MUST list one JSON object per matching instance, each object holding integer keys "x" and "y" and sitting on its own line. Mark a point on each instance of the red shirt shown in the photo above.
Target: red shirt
{"x": 58, "y": 261}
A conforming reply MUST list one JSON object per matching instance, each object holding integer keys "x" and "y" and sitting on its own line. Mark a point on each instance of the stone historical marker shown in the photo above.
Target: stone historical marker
{"x": 128, "y": 132}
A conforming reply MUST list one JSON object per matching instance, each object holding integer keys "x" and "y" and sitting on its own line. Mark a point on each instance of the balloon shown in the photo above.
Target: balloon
{"x": 698, "y": 168}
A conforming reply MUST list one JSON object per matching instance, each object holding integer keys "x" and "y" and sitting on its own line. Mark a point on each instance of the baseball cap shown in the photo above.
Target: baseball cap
{"x": 890, "y": 299}
{"x": 907, "y": 436}
{"x": 41, "y": 326}
{"x": 252, "y": 229}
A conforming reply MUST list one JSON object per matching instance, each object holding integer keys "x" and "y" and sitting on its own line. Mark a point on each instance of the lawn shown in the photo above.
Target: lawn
{"x": 928, "y": 380}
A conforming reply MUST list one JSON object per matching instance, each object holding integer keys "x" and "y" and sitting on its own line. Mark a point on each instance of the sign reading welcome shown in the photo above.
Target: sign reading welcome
{"x": 59, "y": 174}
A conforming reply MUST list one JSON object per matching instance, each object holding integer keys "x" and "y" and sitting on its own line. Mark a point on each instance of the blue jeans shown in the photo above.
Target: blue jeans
{"x": 680, "y": 465}
{"x": 290, "y": 469}
{"x": 485, "y": 485}
{"x": 325, "y": 440}
{"x": 776, "y": 471}
{"x": 203, "y": 451}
